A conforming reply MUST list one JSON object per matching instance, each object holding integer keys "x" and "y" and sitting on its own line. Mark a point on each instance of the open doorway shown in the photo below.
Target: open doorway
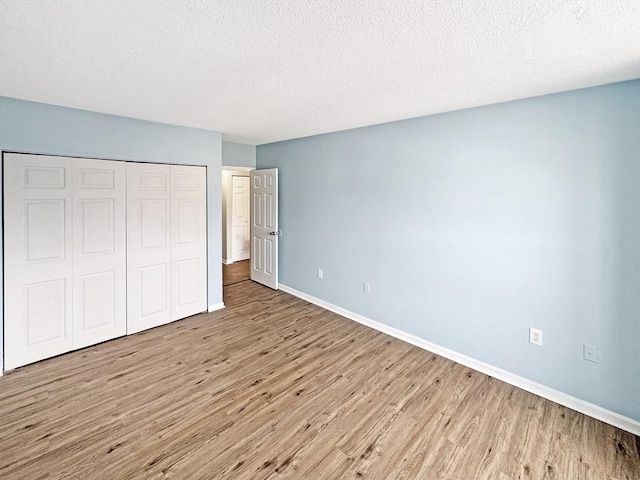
{"x": 236, "y": 221}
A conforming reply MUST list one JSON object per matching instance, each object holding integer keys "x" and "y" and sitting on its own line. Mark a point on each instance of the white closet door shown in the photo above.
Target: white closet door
{"x": 188, "y": 241}
{"x": 37, "y": 258}
{"x": 99, "y": 253}
{"x": 148, "y": 246}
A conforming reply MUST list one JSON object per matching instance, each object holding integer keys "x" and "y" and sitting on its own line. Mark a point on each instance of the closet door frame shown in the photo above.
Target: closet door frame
{"x": 7, "y": 291}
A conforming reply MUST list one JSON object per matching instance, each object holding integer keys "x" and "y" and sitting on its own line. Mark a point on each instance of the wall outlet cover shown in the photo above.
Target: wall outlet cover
{"x": 535, "y": 336}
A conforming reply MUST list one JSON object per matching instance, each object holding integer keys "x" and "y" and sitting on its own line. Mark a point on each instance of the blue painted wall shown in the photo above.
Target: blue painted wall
{"x": 30, "y": 127}
{"x": 238, "y": 155}
{"x": 474, "y": 225}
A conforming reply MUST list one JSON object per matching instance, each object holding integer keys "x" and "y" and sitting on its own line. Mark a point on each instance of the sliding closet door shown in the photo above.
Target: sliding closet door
{"x": 148, "y": 246}
{"x": 188, "y": 241}
{"x": 37, "y": 258}
{"x": 99, "y": 253}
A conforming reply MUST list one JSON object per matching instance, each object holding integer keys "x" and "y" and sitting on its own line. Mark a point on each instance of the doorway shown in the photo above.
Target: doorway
{"x": 236, "y": 221}
{"x": 250, "y": 227}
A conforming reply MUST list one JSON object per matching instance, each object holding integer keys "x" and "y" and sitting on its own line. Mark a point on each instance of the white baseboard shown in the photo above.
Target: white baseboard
{"x": 227, "y": 262}
{"x": 590, "y": 409}
{"x": 215, "y": 306}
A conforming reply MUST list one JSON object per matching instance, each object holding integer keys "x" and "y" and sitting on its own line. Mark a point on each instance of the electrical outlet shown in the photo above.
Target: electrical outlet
{"x": 590, "y": 352}
{"x": 320, "y": 274}
{"x": 366, "y": 287}
{"x": 535, "y": 336}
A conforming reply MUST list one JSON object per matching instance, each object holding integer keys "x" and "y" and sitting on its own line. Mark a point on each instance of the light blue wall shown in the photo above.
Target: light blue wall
{"x": 474, "y": 225}
{"x": 238, "y": 155}
{"x": 29, "y": 127}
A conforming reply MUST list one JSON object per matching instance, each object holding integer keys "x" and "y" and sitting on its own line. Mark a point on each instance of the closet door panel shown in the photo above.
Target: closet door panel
{"x": 37, "y": 258}
{"x": 99, "y": 254}
{"x": 148, "y": 246}
{"x": 188, "y": 241}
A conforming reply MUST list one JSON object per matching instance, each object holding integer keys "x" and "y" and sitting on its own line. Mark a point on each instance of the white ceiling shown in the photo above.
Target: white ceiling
{"x": 267, "y": 70}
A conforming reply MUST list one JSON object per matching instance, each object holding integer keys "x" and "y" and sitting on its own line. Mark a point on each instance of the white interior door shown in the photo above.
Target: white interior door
{"x": 148, "y": 246}
{"x": 264, "y": 227}
{"x": 188, "y": 241}
{"x": 99, "y": 251}
{"x": 241, "y": 240}
{"x": 37, "y": 258}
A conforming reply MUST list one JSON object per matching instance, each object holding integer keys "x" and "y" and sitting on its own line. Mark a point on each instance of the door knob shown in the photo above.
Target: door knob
{"x": 277, "y": 233}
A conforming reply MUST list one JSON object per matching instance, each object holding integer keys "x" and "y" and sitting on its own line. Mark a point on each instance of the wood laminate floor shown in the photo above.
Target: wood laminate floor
{"x": 274, "y": 387}
{"x": 235, "y": 272}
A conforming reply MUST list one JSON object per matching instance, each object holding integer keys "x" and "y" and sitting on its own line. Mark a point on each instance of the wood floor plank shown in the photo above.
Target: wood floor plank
{"x": 235, "y": 272}
{"x": 274, "y": 387}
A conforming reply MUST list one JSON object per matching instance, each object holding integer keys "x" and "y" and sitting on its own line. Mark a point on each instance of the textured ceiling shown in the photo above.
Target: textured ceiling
{"x": 267, "y": 70}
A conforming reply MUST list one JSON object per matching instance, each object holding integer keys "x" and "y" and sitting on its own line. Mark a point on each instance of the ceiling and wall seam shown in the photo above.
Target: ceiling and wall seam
{"x": 274, "y": 70}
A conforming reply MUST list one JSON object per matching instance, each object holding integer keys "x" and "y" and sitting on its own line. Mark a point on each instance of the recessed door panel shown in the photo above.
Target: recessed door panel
{"x": 153, "y": 290}
{"x": 37, "y": 258}
{"x": 153, "y": 223}
{"x": 45, "y": 230}
{"x": 241, "y": 242}
{"x": 187, "y": 218}
{"x": 98, "y": 225}
{"x": 44, "y": 177}
{"x": 239, "y": 202}
{"x": 269, "y": 214}
{"x": 257, "y": 210}
{"x": 256, "y": 258}
{"x": 186, "y": 182}
{"x": 268, "y": 257}
{"x": 45, "y": 311}
{"x": 102, "y": 178}
{"x": 152, "y": 182}
{"x": 188, "y": 281}
{"x": 98, "y": 297}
